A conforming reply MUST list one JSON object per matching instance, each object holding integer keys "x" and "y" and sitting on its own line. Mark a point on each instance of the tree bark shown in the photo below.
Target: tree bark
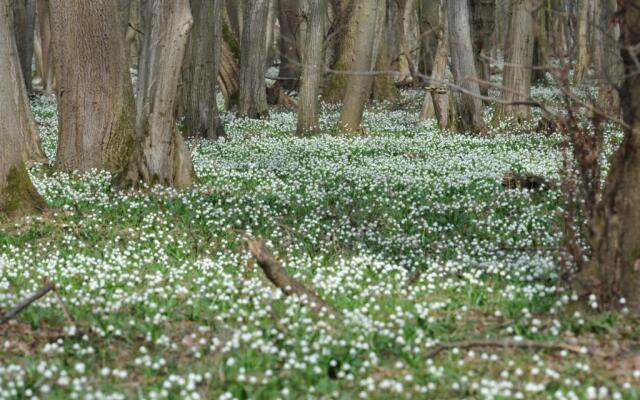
{"x": 439, "y": 67}
{"x": 253, "y": 89}
{"x": 516, "y": 78}
{"x": 467, "y": 101}
{"x": 614, "y": 269}
{"x": 607, "y": 61}
{"x": 44, "y": 33}
{"x": 343, "y": 32}
{"x": 429, "y": 11}
{"x": 95, "y": 96}
{"x": 384, "y": 87}
{"x": 17, "y": 194}
{"x": 483, "y": 13}
{"x": 24, "y": 20}
{"x": 289, "y": 16}
{"x": 360, "y": 79}
{"x": 313, "y": 68}
{"x": 583, "y": 58}
{"x": 160, "y": 155}
{"x": 200, "y": 71}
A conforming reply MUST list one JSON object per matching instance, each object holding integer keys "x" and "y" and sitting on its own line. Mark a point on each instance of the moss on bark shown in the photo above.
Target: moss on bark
{"x": 19, "y": 197}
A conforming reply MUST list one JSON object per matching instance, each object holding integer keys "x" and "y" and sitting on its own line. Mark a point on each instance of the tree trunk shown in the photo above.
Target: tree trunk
{"x": 429, "y": 11}
{"x": 289, "y": 17}
{"x": 467, "y": 101}
{"x": 540, "y": 43}
{"x": 582, "y": 62}
{"x": 200, "y": 71}
{"x": 160, "y": 155}
{"x": 614, "y": 270}
{"x": 367, "y": 16}
{"x": 344, "y": 44}
{"x": 607, "y": 62}
{"x": 44, "y": 33}
{"x": 483, "y": 13}
{"x": 516, "y": 78}
{"x": 436, "y": 81}
{"x": 17, "y": 194}
{"x": 235, "y": 12}
{"x": 24, "y": 21}
{"x": 253, "y": 89}
{"x": 384, "y": 87}
{"x": 308, "y": 112}
{"x": 95, "y": 97}
{"x": 228, "y": 74}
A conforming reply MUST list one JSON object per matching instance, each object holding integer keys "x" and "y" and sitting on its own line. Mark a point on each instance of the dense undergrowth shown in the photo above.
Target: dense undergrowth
{"x": 167, "y": 302}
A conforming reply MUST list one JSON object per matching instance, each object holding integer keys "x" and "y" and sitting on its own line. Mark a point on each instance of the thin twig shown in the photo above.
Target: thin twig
{"x": 63, "y": 306}
{"x": 26, "y": 302}
{"x": 506, "y": 343}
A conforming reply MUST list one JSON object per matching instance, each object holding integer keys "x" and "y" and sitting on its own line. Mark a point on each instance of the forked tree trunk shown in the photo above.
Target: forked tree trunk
{"x": 614, "y": 270}
{"x": 467, "y": 101}
{"x": 200, "y": 71}
{"x": 160, "y": 155}
{"x": 436, "y": 81}
{"x": 313, "y": 68}
{"x": 17, "y": 194}
{"x": 289, "y": 17}
{"x": 95, "y": 96}
{"x": 253, "y": 89}
{"x": 24, "y": 23}
{"x": 367, "y": 14}
{"x": 516, "y": 77}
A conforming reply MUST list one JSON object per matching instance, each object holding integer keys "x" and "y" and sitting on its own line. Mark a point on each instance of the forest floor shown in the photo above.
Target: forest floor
{"x": 166, "y": 302}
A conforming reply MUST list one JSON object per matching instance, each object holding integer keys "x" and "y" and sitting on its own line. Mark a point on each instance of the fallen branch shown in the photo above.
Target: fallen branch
{"x": 505, "y": 343}
{"x": 26, "y": 302}
{"x": 276, "y": 273}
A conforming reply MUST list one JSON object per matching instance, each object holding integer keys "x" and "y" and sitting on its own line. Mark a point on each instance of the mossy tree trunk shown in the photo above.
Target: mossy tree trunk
{"x": 17, "y": 194}
{"x": 467, "y": 102}
{"x": 367, "y": 19}
{"x": 614, "y": 269}
{"x": 160, "y": 155}
{"x": 516, "y": 77}
{"x": 93, "y": 86}
{"x": 252, "y": 101}
{"x": 200, "y": 71}
{"x": 344, "y": 47}
{"x": 313, "y": 67}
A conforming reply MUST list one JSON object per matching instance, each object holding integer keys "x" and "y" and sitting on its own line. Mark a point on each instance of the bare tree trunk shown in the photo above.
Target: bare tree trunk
{"x": 540, "y": 42}
{"x": 607, "y": 61}
{"x": 344, "y": 41}
{"x": 439, "y": 66}
{"x": 384, "y": 87}
{"x": 44, "y": 33}
{"x": 367, "y": 14}
{"x": 429, "y": 11}
{"x": 24, "y": 21}
{"x": 235, "y": 12}
{"x": 160, "y": 155}
{"x": 308, "y": 107}
{"x": 17, "y": 194}
{"x": 253, "y": 89}
{"x": 516, "y": 78}
{"x": 582, "y": 62}
{"x": 467, "y": 101}
{"x": 483, "y": 13}
{"x": 200, "y": 71}
{"x": 95, "y": 97}
{"x": 228, "y": 74}
{"x": 614, "y": 270}
{"x": 289, "y": 16}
